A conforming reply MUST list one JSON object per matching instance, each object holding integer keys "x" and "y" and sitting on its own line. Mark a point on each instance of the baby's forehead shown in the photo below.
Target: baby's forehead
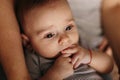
{"x": 46, "y": 3}
{"x": 52, "y": 4}
{"x": 40, "y": 9}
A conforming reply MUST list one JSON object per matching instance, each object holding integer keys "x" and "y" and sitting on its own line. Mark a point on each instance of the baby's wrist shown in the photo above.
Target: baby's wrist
{"x": 52, "y": 75}
{"x": 90, "y": 56}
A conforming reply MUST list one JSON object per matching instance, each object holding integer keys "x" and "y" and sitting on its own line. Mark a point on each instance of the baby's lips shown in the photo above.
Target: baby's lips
{"x": 62, "y": 52}
{"x": 70, "y": 47}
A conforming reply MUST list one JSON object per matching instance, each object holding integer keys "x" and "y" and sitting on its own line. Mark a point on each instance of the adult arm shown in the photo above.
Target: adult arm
{"x": 11, "y": 53}
{"x": 111, "y": 26}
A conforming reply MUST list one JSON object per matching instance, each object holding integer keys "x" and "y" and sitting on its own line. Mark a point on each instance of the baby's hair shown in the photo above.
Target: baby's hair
{"x": 22, "y": 6}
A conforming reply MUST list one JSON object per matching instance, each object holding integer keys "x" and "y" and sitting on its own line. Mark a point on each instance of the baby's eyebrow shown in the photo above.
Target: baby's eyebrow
{"x": 70, "y": 19}
{"x": 43, "y": 30}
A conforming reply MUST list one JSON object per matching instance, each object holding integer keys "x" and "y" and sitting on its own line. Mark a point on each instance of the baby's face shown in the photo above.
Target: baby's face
{"x": 51, "y": 30}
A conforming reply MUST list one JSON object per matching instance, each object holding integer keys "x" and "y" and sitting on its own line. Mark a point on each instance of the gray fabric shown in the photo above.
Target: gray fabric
{"x": 38, "y": 66}
{"x": 84, "y": 73}
{"x": 87, "y": 16}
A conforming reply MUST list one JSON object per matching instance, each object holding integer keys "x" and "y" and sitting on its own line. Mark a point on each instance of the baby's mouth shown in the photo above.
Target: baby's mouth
{"x": 69, "y": 47}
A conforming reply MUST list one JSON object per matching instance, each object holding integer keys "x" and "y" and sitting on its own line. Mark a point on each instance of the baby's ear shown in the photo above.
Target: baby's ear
{"x": 25, "y": 40}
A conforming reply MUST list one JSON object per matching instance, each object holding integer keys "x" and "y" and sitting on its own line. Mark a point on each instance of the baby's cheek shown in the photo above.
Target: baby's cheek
{"x": 76, "y": 37}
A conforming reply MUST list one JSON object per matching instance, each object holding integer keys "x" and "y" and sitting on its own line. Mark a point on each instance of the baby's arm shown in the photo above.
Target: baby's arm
{"x": 61, "y": 69}
{"x": 101, "y": 62}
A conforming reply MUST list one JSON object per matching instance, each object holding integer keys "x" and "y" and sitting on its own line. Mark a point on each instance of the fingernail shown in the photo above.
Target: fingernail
{"x": 74, "y": 67}
{"x": 73, "y": 62}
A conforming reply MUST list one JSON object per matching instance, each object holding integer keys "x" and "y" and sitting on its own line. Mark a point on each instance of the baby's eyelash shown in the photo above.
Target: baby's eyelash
{"x": 50, "y": 35}
{"x": 68, "y": 28}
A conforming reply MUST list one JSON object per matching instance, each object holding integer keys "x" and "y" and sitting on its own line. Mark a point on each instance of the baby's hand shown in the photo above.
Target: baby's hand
{"x": 78, "y": 54}
{"x": 83, "y": 56}
{"x": 63, "y": 67}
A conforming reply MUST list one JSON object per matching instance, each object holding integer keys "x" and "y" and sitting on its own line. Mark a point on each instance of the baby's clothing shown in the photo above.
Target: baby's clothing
{"x": 38, "y": 66}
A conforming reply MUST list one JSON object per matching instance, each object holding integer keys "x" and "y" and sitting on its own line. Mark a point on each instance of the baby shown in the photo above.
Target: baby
{"x": 51, "y": 42}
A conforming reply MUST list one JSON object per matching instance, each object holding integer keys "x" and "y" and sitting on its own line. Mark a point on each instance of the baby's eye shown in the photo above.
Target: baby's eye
{"x": 68, "y": 28}
{"x": 50, "y": 35}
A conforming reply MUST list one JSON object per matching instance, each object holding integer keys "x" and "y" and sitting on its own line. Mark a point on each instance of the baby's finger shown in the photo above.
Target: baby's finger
{"x": 67, "y": 55}
{"x": 74, "y": 58}
{"x": 78, "y": 62}
{"x": 70, "y": 50}
{"x": 68, "y": 59}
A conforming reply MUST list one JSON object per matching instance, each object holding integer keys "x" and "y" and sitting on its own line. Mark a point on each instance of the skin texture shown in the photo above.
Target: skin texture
{"x": 51, "y": 31}
{"x": 63, "y": 32}
{"x": 11, "y": 53}
{"x": 111, "y": 26}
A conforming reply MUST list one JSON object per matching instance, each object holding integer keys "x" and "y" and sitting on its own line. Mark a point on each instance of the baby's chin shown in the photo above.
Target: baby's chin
{"x": 53, "y": 57}
{"x": 56, "y": 56}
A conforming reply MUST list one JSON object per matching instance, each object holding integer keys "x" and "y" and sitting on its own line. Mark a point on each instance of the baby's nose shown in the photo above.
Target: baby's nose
{"x": 64, "y": 40}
